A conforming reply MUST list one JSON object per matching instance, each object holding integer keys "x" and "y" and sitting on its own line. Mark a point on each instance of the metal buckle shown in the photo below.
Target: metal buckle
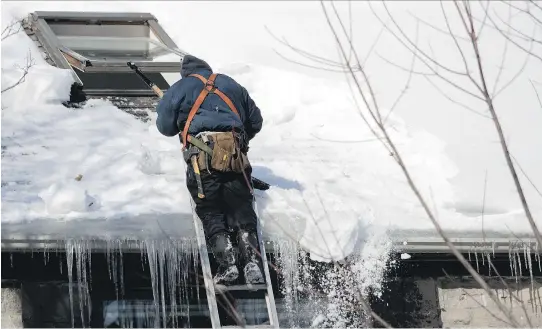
{"x": 210, "y": 86}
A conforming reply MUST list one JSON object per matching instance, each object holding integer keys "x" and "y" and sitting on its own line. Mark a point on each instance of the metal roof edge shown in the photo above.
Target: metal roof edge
{"x": 408, "y": 245}
{"x": 94, "y": 15}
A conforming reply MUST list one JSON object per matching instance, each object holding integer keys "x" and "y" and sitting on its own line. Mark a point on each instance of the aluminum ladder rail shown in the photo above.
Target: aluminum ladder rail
{"x": 212, "y": 290}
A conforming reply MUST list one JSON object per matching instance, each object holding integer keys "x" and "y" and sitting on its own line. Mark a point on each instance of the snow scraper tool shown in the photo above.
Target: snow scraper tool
{"x": 211, "y": 288}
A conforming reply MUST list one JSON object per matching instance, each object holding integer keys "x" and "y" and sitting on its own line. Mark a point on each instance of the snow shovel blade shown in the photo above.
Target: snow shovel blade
{"x": 260, "y": 184}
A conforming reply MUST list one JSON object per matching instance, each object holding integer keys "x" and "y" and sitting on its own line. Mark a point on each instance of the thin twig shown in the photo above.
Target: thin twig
{"x": 11, "y": 29}
{"x": 424, "y": 61}
{"x": 26, "y": 69}
{"x": 526, "y": 176}
{"x": 536, "y": 92}
{"x": 503, "y": 57}
{"x": 522, "y": 303}
{"x": 479, "y": 33}
{"x": 435, "y": 27}
{"x": 528, "y": 12}
{"x": 477, "y": 302}
{"x": 470, "y": 109}
{"x": 407, "y": 84}
{"x": 512, "y": 41}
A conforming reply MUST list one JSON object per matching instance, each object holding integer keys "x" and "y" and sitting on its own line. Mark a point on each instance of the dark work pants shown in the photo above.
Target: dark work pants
{"x": 227, "y": 204}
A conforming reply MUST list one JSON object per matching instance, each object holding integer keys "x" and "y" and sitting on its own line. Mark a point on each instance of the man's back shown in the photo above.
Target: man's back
{"x": 214, "y": 114}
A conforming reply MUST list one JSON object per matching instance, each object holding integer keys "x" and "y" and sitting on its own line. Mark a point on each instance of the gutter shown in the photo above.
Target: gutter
{"x": 414, "y": 245}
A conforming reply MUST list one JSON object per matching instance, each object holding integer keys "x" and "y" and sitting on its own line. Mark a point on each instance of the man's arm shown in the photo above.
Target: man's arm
{"x": 168, "y": 110}
{"x": 254, "y": 121}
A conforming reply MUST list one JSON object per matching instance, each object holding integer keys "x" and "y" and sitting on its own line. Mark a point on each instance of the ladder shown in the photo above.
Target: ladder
{"x": 212, "y": 290}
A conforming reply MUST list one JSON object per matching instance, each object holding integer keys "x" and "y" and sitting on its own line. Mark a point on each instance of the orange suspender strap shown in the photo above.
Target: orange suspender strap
{"x": 219, "y": 93}
{"x": 204, "y": 92}
{"x": 209, "y": 87}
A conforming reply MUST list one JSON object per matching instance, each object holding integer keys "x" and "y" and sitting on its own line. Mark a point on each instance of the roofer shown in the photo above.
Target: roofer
{"x": 216, "y": 118}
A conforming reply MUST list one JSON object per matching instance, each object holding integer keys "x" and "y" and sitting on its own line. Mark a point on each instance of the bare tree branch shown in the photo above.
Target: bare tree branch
{"x": 535, "y": 4}
{"x": 11, "y": 29}
{"x": 455, "y": 101}
{"x": 479, "y": 33}
{"x": 536, "y": 92}
{"x": 528, "y": 12}
{"x": 500, "y": 132}
{"x": 513, "y": 41}
{"x": 407, "y": 83}
{"x": 398, "y": 158}
{"x": 29, "y": 63}
{"x": 435, "y": 27}
{"x": 427, "y": 57}
{"x": 503, "y": 57}
{"x": 522, "y": 303}
{"x": 493, "y": 315}
{"x": 526, "y": 176}
{"x": 423, "y": 57}
{"x": 454, "y": 38}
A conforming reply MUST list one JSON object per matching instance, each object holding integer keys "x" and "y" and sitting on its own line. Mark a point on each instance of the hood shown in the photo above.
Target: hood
{"x": 191, "y": 64}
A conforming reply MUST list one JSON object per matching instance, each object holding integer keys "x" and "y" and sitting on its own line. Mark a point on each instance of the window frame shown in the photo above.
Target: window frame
{"x": 64, "y": 57}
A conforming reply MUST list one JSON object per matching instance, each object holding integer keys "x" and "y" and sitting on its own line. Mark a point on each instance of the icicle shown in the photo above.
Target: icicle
{"x": 11, "y": 259}
{"x": 538, "y": 258}
{"x": 60, "y": 263}
{"x": 469, "y": 256}
{"x": 520, "y": 265}
{"x": 493, "y": 248}
{"x": 108, "y": 258}
{"x": 476, "y": 257}
{"x": 161, "y": 263}
{"x": 69, "y": 263}
{"x": 516, "y": 265}
{"x": 489, "y": 262}
{"x": 153, "y": 267}
{"x": 121, "y": 271}
{"x": 530, "y": 267}
{"x": 510, "y": 261}
{"x": 89, "y": 257}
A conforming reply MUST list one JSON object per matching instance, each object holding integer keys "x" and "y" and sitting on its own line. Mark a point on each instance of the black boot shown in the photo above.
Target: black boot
{"x": 250, "y": 259}
{"x": 224, "y": 254}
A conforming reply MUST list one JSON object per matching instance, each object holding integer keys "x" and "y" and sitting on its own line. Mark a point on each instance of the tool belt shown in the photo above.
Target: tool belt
{"x": 217, "y": 151}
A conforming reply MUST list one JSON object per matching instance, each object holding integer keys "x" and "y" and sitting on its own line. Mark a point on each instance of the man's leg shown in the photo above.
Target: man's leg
{"x": 239, "y": 202}
{"x": 211, "y": 212}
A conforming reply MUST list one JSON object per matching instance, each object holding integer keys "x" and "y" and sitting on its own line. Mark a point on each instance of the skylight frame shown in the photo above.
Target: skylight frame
{"x": 64, "y": 57}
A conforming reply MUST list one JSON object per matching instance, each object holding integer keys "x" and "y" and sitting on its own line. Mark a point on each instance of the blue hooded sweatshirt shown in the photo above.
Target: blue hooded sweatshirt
{"x": 214, "y": 114}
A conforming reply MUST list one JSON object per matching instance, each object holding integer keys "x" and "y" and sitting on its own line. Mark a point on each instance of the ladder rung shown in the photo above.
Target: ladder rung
{"x": 240, "y": 287}
{"x": 254, "y": 326}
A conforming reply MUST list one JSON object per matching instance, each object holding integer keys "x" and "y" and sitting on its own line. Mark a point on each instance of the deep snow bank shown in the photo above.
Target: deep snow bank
{"x": 334, "y": 185}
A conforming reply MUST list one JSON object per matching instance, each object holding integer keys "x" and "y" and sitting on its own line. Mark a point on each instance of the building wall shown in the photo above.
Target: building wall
{"x": 11, "y": 308}
{"x": 464, "y": 304}
{"x": 458, "y": 302}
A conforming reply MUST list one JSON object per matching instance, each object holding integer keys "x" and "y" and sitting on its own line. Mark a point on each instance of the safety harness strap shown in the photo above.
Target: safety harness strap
{"x": 220, "y": 94}
{"x": 209, "y": 87}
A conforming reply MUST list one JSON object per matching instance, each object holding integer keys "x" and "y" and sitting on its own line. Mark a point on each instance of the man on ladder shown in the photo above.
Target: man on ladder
{"x": 216, "y": 118}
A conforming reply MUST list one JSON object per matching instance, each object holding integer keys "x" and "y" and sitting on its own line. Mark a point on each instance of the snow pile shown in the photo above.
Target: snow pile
{"x": 333, "y": 296}
{"x": 334, "y": 184}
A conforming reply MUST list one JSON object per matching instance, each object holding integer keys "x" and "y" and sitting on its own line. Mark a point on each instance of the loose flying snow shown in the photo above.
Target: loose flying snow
{"x": 334, "y": 184}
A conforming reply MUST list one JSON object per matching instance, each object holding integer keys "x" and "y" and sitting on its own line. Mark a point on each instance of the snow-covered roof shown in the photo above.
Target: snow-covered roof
{"x": 333, "y": 184}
